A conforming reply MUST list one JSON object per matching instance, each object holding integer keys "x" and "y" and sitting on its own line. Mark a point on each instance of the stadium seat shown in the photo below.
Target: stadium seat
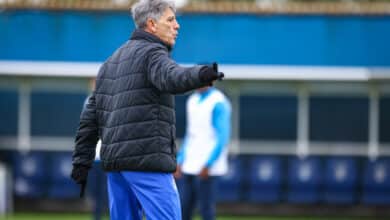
{"x": 376, "y": 182}
{"x": 304, "y": 179}
{"x": 61, "y": 186}
{"x": 229, "y": 185}
{"x": 30, "y": 174}
{"x": 63, "y": 190}
{"x": 265, "y": 179}
{"x": 27, "y": 188}
{"x": 340, "y": 181}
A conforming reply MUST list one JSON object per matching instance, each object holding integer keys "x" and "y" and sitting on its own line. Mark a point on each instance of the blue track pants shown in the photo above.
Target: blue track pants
{"x": 132, "y": 194}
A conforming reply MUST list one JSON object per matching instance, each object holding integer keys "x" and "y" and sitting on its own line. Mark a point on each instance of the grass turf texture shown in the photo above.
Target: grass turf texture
{"x": 67, "y": 216}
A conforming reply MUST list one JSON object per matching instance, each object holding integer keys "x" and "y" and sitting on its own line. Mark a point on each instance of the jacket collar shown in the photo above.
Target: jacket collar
{"x": 140, "y": 34}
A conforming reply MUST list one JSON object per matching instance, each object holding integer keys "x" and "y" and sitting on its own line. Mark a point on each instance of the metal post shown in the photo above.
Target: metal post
{"x": 24, "y": 111}
{"x": 235, "y": 143}
{"x": 303, "y": 121}
{"x": 373, "y": 143}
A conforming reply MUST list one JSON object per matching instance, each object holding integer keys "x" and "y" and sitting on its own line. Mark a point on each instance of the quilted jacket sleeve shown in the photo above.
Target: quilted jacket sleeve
{"x": 167, "y": 76}
{"x": 87, "y": 135}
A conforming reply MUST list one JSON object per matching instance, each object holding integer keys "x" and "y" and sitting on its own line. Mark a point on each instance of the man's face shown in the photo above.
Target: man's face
{"x": 167, "y": 27}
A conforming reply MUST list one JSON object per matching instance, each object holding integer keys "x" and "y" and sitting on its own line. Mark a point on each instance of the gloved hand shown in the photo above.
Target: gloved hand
{"x": 221, "y": 75}
{"x": 80, "y": 176}
{"x": 210, "y": 73}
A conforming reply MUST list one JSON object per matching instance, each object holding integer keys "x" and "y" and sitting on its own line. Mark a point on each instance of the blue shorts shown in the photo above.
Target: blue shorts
{"x": 132, "y": 194}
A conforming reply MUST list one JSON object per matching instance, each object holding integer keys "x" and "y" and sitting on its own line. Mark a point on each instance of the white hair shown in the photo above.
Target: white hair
{"x": 154, "y": 9}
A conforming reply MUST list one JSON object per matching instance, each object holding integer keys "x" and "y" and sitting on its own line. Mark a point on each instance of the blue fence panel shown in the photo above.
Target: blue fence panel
{"x": 65, "y": 35}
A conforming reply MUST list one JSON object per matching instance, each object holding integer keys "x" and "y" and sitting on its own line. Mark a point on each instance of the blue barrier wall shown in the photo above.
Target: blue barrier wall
{"x": 234, "y": 39}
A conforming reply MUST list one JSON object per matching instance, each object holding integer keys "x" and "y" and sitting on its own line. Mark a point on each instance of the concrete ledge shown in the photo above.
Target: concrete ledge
{"x": 222, "y": 6}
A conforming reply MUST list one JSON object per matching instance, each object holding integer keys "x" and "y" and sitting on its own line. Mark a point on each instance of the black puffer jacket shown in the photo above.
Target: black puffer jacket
{"x": 132, "y": 109}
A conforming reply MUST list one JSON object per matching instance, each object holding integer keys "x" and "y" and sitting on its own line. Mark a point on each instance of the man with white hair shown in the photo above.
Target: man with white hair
{"x": 132, "y": 111}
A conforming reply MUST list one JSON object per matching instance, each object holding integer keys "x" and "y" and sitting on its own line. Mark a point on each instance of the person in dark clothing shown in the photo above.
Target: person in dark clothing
{"x": 132, "y": 112}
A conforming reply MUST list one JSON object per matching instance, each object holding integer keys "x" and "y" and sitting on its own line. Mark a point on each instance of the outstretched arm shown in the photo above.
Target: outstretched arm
{"x": 168, "y": 76}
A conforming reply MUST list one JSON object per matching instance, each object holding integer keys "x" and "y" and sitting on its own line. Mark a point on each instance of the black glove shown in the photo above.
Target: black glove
{"x": 221, "y": 75}
{"x": 80, "y": 175}
{"x": 210, "y": 73}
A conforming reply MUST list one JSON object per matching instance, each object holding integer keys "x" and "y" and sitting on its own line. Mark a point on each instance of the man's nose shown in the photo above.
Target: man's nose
{"x": 176, "y": 25}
